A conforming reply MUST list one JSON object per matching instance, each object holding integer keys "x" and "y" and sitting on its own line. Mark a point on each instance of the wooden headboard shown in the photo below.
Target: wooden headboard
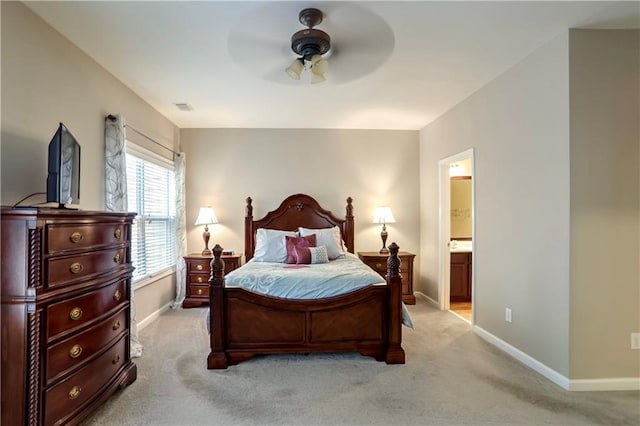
{"x": 295, "y": 211}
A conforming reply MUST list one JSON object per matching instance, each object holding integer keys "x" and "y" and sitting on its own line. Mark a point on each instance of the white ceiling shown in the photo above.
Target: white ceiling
{"x": 393, "y": 65}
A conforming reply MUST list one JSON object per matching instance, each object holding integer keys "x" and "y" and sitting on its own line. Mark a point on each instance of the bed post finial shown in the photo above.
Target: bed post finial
{"x": 348, "y": 227}
{"x": 393, "y": 261}
{"x": 217, "y": 264}
{"x": 249, "y": 232}
{"x": 249, "y": 212}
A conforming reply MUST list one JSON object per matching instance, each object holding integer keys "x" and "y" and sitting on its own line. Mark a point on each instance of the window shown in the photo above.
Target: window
{"x": 151, "y": 194}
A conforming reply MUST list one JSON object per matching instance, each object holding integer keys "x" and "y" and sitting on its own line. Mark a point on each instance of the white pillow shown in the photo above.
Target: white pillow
{"x": 271, "y": 246}
{"x": 328, "y": 237}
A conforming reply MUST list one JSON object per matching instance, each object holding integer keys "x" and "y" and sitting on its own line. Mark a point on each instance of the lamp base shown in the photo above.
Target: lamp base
{"x": 205, "y": 237}
{"x": 383, "y": 235}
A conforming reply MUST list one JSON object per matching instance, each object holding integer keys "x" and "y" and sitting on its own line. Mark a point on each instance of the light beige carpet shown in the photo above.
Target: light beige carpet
{"x": 452, "y": 377}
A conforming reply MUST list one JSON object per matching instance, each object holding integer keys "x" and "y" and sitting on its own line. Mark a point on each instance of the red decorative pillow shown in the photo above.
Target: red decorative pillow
{"x": 293, "y": 242}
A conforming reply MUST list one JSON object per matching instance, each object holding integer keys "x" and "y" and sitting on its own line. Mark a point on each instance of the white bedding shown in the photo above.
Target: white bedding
{"x": 314, "y": 281}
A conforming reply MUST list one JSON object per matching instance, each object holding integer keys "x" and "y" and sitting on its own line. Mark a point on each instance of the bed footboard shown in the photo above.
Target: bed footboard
{"x": 245, "y": 324}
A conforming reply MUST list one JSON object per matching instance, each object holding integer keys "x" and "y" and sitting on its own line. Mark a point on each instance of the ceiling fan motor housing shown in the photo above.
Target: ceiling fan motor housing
{"x": 309, "y": 42}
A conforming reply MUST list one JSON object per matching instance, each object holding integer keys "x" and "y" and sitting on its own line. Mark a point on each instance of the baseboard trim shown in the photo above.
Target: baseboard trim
{"x": 527, "y": 360}
{"x": 608, "y": 384}
{"x": 611, "y": 384}
{"x": 154, "y": 316}
{"x": 427, "y": 298}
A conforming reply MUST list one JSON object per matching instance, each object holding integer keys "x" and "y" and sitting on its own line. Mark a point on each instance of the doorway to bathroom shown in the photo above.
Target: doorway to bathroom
{"x": 457, "y": 224}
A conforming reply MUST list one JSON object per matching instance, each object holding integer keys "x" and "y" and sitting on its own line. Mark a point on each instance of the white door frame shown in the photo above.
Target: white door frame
{"x": 444, "y": 226}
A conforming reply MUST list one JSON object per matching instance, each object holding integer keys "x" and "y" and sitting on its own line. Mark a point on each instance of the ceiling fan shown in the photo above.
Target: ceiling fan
{"x": 264, "y": 41}
{"x": 310, "y": 44}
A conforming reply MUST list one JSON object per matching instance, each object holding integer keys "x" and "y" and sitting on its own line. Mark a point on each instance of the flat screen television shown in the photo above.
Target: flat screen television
{"x": 63, "y": 179}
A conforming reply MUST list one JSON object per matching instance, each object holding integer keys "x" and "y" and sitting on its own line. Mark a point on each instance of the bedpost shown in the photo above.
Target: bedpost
{"x": 348, "y": 226}
{"x": 248, "y": 232}
{"x": 395, "y": 353}
{"x": 217, "y": 357}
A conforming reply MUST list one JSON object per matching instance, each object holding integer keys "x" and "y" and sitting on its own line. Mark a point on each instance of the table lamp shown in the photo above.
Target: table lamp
{"x": 206, "y": 217}
{"x": 383, "y": 215}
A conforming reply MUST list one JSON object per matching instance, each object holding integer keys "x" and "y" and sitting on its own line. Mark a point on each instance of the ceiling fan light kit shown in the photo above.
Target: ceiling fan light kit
{"x": 310, "y": 44}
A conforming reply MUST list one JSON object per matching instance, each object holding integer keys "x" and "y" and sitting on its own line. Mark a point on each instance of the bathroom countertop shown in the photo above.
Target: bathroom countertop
{"x": 461, "y": 246}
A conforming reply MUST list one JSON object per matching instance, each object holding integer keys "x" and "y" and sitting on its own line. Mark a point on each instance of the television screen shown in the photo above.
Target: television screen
{"x": 63, "y": 179}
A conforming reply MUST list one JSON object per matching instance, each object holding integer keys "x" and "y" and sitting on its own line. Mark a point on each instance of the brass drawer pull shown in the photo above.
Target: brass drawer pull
{"x": 75, "y": 268}
{"x": 117, "y": 295}
{"x": 199, "y": 279}
{"x": 76, "y": 237}
{"x": 116, "y": 258}
{"x": 199, "y": 267}
{"x": 74, "y": 392}
{"x": 75, "y": 314}
{"x": 378, "y": 265}
{"x": 116, "y": 325}
{"x": 117, "y": 233}
{"x": 75, "y": 351}
{"x": 116, "y": 359}
{"x": 199, "y": 291}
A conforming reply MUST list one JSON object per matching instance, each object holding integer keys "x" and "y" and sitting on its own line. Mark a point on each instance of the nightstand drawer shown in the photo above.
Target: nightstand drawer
{"x": 380, "y": 266}
{"x": 199, "y": 265}
{"x": 198, "y": 291}
{"x": 198, "y": 278}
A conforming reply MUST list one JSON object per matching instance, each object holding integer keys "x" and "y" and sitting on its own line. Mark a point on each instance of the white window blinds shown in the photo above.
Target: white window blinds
{"x": 151, "y": 194}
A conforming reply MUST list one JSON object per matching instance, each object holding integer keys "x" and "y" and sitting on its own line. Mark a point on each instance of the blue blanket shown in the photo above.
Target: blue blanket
{"x": 314, "y": 281}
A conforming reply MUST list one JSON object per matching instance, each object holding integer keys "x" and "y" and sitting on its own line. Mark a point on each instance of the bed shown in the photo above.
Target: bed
{"x": 244, "y": 322}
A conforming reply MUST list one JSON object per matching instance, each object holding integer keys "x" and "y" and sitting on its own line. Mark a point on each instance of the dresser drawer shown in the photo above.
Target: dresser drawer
{"x": 72, "y": 352}
{"x": 63, "y": 317}
{"x": 71, "y": 393}
{"x": 65, "y": 270}
{"x": 83, "y": 236}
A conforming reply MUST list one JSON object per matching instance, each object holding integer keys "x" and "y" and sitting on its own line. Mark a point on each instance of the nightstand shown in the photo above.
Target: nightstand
{"x": 378, "y": 262}
{"x": 198, "y": 273}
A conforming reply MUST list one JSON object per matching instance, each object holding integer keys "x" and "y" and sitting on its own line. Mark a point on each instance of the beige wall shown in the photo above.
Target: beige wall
{"x": 557, "y": 203}
{"x": 46, "y": 80}
{"x": 605, "y": 203}
{"x": 518, "y": 126}
{"x": 375, "y": 168}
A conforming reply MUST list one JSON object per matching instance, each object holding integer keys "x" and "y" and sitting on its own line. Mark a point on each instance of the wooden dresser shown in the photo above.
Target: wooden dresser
{"x": 66, "y": 282}
{"x": 198, "y": 274}
{"x": 378, "y": 262}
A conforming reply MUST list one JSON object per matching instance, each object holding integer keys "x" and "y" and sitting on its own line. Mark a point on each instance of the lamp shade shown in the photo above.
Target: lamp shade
{"x": 295, "y": 69}
{"x": 383, "y": 215}
{"x": 319, "y": 65}
{"x": 206, "y": 216}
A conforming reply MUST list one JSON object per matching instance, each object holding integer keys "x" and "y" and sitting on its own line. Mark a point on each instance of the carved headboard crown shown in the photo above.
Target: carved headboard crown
{"x": 298, "y": 210}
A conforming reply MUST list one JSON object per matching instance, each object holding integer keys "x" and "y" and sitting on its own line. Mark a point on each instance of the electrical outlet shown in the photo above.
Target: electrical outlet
{"x": 635, "y": 340}
{"x": 507, "y": 314}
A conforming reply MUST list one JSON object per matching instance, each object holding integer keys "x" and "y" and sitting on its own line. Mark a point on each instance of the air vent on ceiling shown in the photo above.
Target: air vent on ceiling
{"x": 183, "y": 106}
